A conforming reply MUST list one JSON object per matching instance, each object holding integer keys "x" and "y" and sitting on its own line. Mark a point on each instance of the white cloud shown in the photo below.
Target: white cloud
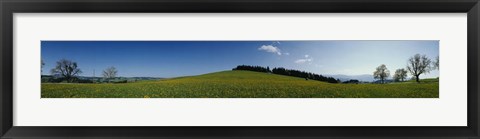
{"x": 270, "y": 49}
{"x": 304, "y": 60}
{"x": 301, "y": 61}
{"x": 286, "y": 54}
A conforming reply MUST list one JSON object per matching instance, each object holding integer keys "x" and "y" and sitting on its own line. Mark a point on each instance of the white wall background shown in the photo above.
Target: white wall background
{"x": 448, "y": 110}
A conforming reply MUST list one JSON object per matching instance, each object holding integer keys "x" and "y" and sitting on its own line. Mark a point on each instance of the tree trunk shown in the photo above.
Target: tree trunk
{"x": 416, "y": 78}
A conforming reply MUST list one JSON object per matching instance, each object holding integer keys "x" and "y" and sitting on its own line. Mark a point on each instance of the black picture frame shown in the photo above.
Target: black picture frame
{"x": 9, "y": 7}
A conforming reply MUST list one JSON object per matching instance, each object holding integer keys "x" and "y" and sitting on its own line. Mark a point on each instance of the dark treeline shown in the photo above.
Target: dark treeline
{"x": 352, "y": 81}
{"x": 288, "y": 72}
{"x": 252, "y": 68}
{"x": 304, "y": 74}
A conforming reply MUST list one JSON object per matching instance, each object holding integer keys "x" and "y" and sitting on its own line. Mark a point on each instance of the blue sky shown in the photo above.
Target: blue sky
{"x": 183, "y": 58}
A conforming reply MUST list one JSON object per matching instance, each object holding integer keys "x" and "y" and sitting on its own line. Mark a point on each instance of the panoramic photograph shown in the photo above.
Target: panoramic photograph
{"x": 240, "y": 69}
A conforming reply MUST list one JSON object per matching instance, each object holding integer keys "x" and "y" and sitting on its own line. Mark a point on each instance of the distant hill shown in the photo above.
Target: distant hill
{"x": 363, "y": 77}
{"x": 288, "y": 72}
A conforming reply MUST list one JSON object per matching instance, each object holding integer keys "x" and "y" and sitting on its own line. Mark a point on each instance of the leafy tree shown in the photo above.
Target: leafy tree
{"x": 67, "y": 69}
{"x": 400, "y": 75}
{"x": 419, "y": 64}
{"x": 381, "y": 73}
{"x": 110, "y": 73}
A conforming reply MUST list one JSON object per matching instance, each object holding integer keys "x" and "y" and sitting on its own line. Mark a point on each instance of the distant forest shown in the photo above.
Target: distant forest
{"x": 288, "y": 72}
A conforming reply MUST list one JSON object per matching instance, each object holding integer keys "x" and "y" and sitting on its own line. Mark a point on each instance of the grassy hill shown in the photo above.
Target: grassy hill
{"x": 240, "y": 84}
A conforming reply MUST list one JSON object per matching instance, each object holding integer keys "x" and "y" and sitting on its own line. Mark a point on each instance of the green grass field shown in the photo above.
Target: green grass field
{"x": 241, "y": 84}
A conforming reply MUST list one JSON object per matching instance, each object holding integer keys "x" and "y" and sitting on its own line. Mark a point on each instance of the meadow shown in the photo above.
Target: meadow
{"x": 240, "y": 84}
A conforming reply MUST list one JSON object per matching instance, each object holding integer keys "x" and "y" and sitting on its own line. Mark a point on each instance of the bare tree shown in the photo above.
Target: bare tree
{"x": 67, "y": 69}
{"x": 110, "y": 72}
{"x": 381, "y": 73}
{"x": 418, "y": 64}
{"x": 436, "y": 63}
{"x": 400, "y": 75}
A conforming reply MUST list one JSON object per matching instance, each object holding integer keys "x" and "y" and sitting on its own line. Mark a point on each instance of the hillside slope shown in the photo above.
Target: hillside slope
{"x": 243, "y": 76}
{"x": 239, "y": 84}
